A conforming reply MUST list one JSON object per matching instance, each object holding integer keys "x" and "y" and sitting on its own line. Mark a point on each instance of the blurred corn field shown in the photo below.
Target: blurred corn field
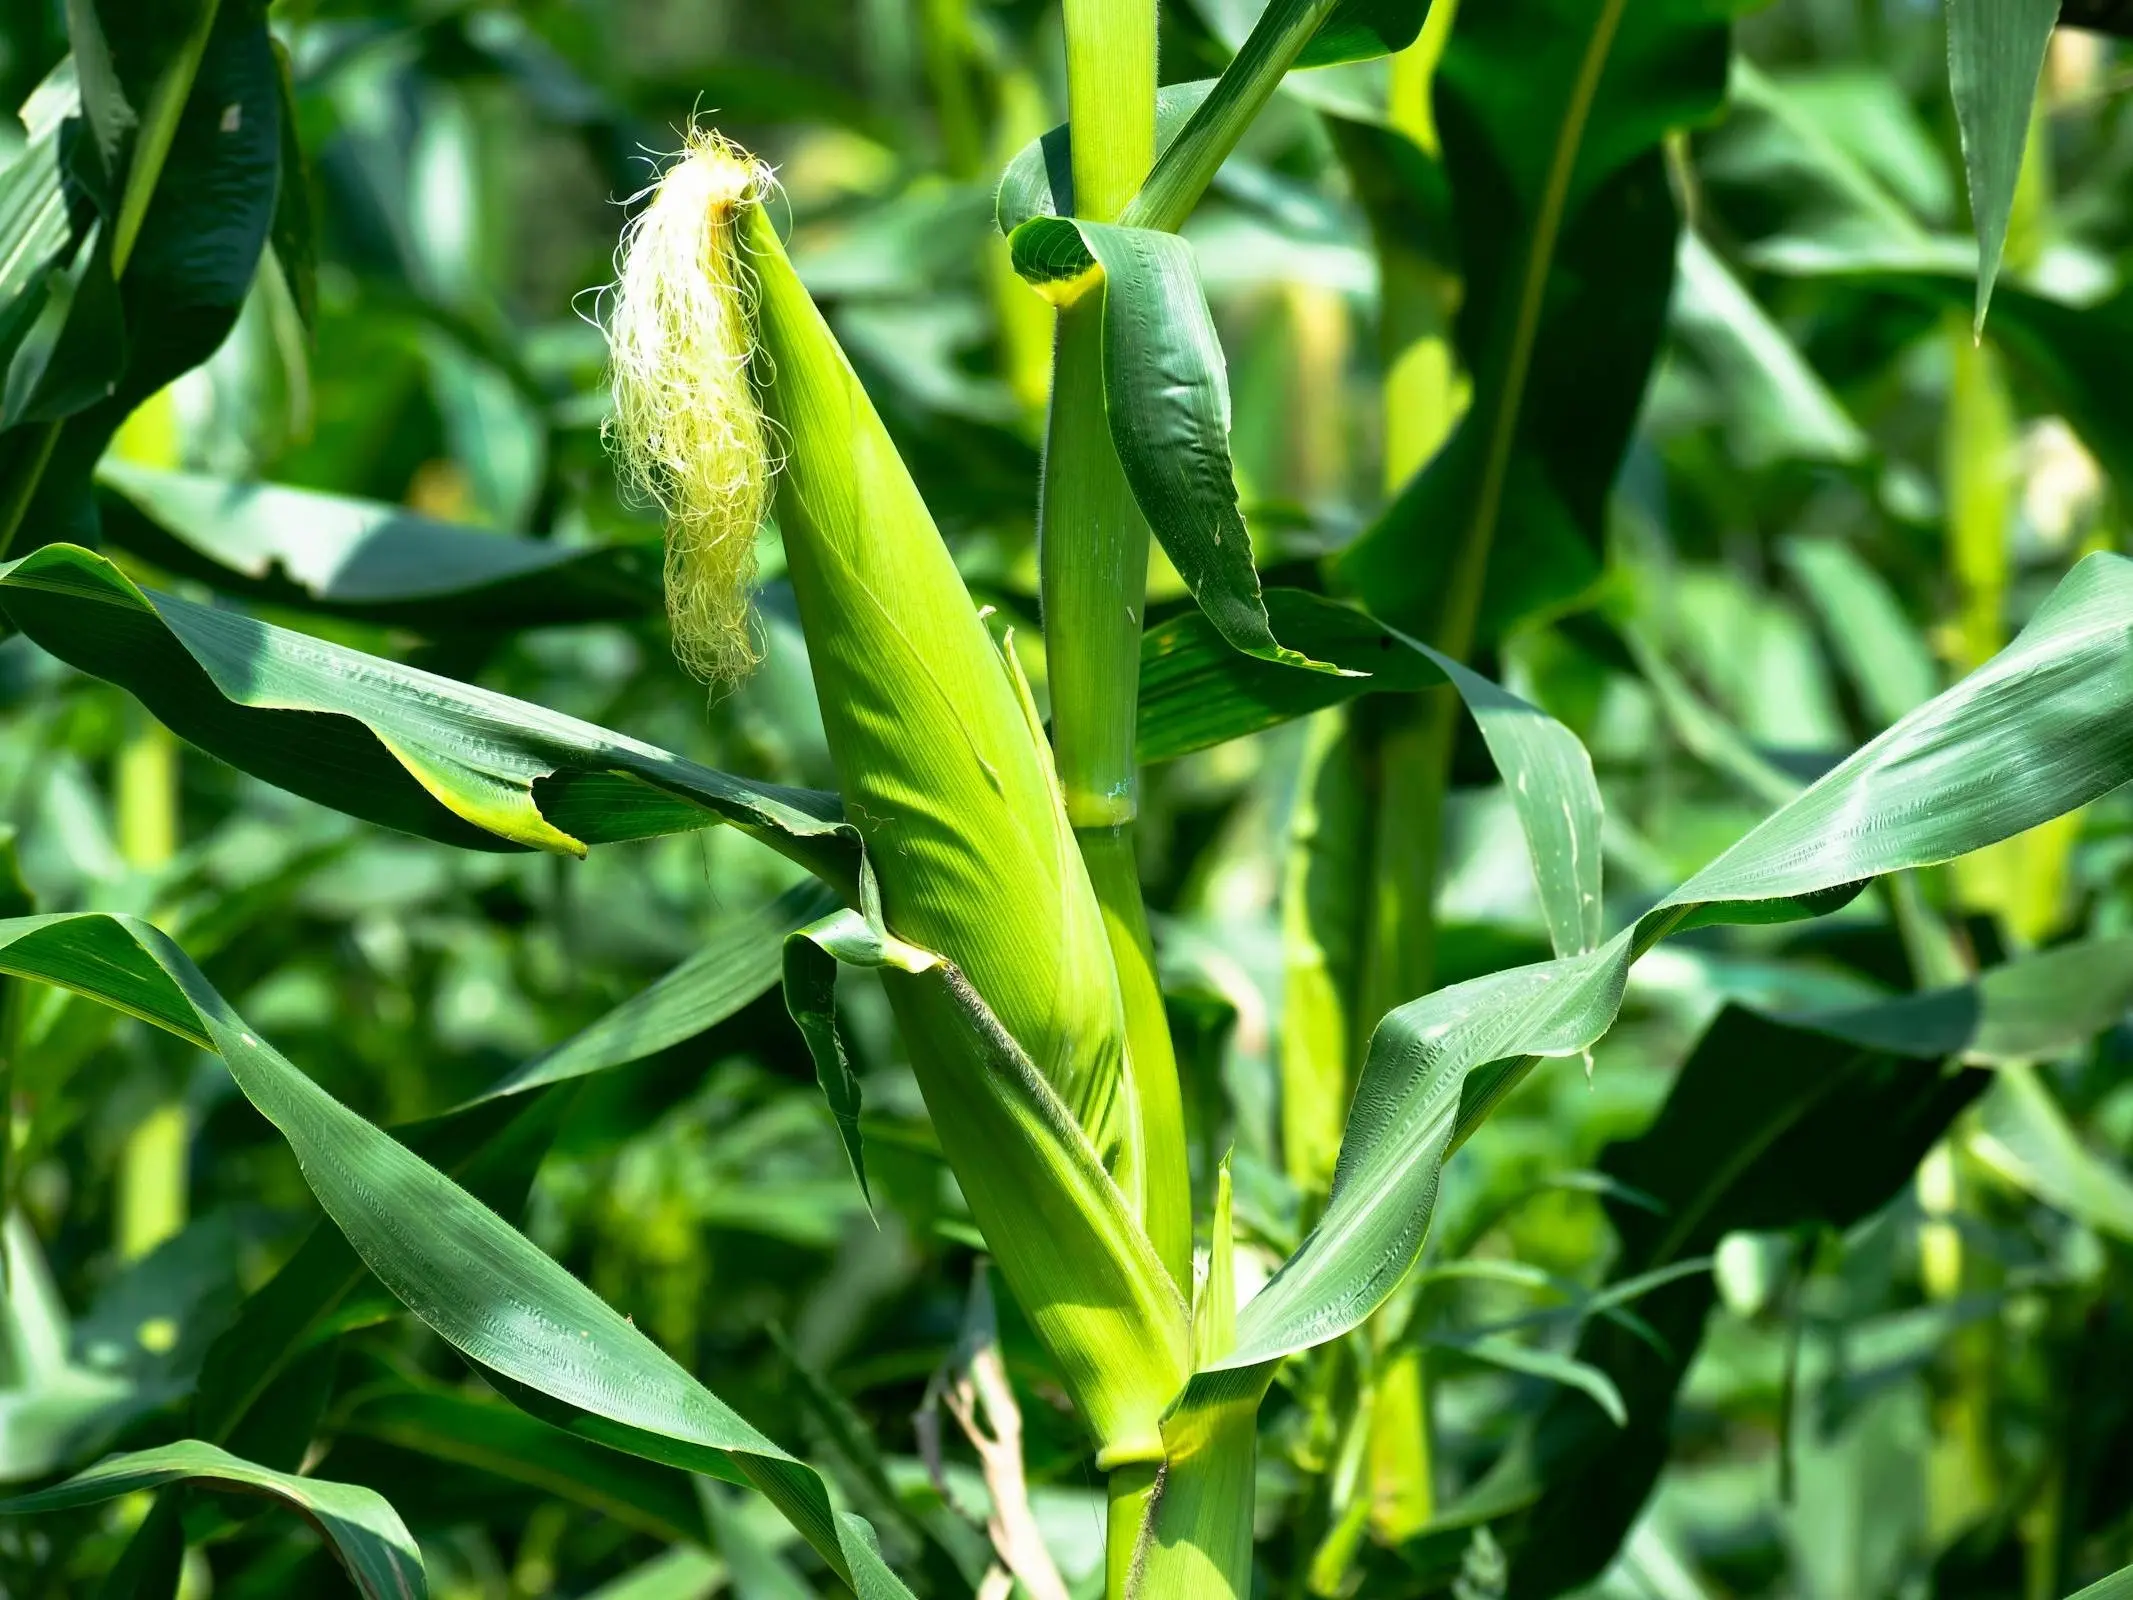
{"x": 1404, "y": 871}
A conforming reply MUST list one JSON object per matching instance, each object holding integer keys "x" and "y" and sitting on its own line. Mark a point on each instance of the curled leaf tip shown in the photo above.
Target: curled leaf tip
{"x": 687, "y": 431}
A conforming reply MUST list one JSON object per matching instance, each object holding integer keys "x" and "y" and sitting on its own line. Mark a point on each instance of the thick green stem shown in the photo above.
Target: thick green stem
{"x": 1110, "y": 101}
{"x": 1131, "y": 1491}
{"x": 1093, "y": 545}
{"x": 1166, "y": 1180}
{"x": 1204, "y": 143}
{"x": 1093, "y": 554}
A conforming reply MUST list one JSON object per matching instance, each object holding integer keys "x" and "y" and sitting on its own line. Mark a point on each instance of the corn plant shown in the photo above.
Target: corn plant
{"x": 979, "y": 856}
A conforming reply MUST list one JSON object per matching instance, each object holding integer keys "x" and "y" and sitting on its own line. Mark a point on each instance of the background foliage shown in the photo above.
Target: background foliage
{"x": 1761, "y": 493}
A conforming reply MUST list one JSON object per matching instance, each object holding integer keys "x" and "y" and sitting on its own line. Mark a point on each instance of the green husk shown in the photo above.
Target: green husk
{"x": 1008, "y": 1000}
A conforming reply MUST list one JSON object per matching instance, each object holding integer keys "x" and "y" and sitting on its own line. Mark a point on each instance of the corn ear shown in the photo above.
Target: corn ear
{"x": 950, "y": 785}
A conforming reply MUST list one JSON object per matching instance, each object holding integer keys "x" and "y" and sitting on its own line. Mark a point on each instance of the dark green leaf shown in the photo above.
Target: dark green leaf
{"x": 1552, "y": 113}
{"x": 2042, "y": 728}
{"x": 480, "y": 1284}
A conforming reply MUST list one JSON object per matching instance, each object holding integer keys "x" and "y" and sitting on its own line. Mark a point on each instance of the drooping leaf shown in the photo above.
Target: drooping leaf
{"x": 2039, "y": 730}
{"x": 812, "y": 955}
{"x": 359, "y": 558}
{"x": 1166, "y": 393}
{"x": 550, "y": 1342}
{"x": 361, "y": 1526}
{"x": 1995, "y": 54}
{"x": 388, "y": 743}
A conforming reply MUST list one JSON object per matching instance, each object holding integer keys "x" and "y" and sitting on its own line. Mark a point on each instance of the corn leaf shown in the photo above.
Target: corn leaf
{"x": 1780, "y": 409}
{"x": 1356, "y": 30}
{"x": 361, "y": 1526}
{"x": 1166, "y": 393}
{"x": 1197, "y": 692}
{"x": 2116, "y": 1587}
{"x": 1552, "y": 1365}
{"x": 388, "y": 743}
{"x": 1288, "y": 33}
{"x": 341, "y": 556}
{"x": 2024, "y": 1136}
{"x": 548, "y": 1341}
{"x": 2039, "y": 730}
{"x": 492, "y": 1145}
{"x": 1995, "y": 54}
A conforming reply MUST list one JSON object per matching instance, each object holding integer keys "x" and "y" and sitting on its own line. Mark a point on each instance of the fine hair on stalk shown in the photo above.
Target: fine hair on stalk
{"x": 687, "y": 430}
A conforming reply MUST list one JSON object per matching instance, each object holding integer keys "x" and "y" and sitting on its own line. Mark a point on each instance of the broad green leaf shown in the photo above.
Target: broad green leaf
{"x": 550, "y": 1342}
{"x": 362, "y": 1527}
{"x": 1552, "y": 113}
{"x": 392, "y": 744}
{"x": 2009, "y": 1015}
{"x": 360, "y": 558}
{"x": 195, "y": 127}
{"x": 1355, "y": 30}
{"x": 2116, "y": 1587}
{"x": 492, "y": 1145}
{"x": 491, "y": 1150}
{"x": 1166, "y": 393}
{"x": 2039, "y": 730}
{"x": 1197, "y": 692}
{"x": 1995, "y": 54}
